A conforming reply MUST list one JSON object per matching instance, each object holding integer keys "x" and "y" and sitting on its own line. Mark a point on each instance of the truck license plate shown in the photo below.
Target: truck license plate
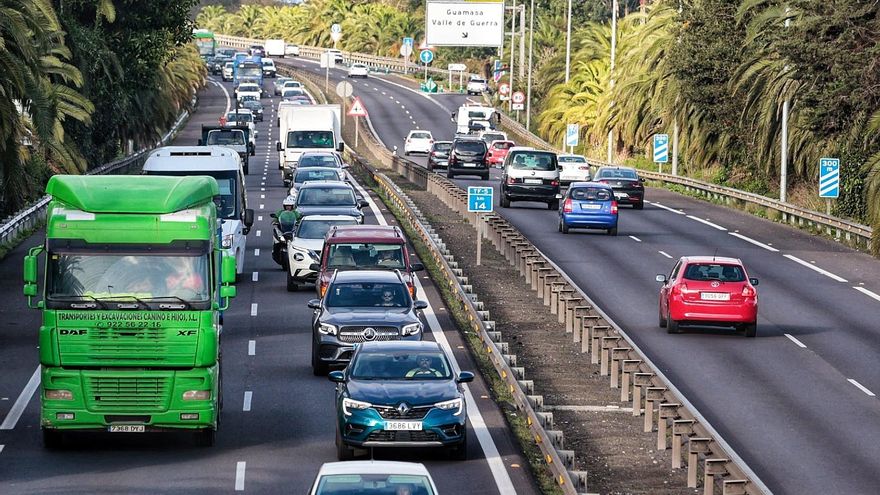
{"x": 403, "y": 425}
{"x": 126, "y": 428}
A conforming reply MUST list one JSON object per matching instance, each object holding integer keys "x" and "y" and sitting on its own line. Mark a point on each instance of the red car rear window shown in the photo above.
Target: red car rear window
{"x": 714, "y": 271}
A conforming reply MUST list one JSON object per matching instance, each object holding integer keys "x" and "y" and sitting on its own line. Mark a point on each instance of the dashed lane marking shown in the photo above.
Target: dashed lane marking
{"x": 752, "y": 241}
{"x": 246, "y": 406}
{"x": 861, "y": 387}
{"x": 635, "y": 238}
{"x": 253, "y": 309}
{"x": 664, "y": 253}
{"x": 239, "y": 476}
{"x": 872, "y": 295}
{"x": 815, "y": 268}
{"x": 658, "y": 205}
{"x": 796, "y": 341}
{"x": 257, "y": 252}
{"x": 255, "y": 277}
{"x": 706, "y": 222}
{"x": 252, "y": 347}
{"x": 259, "y": 233}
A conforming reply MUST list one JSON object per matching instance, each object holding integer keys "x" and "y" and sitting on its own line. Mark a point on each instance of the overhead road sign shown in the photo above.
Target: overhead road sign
{"x": 357, "y": 108}
{"x": 661, "y": 148}
{"x": 480, "y": 199}
{"x": 829, "y": 178}
{"x": 426, "y": 56}
{"x": 572, "y": 134}
{"x": 464, "y": 23}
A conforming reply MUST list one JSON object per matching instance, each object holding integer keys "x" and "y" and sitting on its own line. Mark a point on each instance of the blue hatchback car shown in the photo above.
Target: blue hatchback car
{"x": 400, "y": 394}
{"x": 588, "y": 205}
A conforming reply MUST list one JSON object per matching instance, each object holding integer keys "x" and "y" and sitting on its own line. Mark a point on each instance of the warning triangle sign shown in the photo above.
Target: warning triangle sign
{"x": 357, "y": 108}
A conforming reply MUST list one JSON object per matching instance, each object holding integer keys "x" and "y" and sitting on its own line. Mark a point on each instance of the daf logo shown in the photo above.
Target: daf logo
{"x": 715, "y": 284}
{"x": 403, "y": 408}
{"x": 370, "y": 333}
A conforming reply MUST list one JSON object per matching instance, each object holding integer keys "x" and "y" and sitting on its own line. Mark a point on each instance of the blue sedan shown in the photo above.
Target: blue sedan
{"x": 588, "y": 205}
{"x": 400, "y": 394}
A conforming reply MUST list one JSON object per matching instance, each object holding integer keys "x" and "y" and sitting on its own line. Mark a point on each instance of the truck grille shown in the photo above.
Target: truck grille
{"x": 124, "y": 340}
{"x": 109, "y": 393}
{"x": 390, "y": 412}
{"x": 357, "y": 334}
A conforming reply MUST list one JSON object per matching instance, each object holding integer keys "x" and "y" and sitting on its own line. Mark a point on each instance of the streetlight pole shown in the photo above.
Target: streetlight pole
{"x": 614, "y": 8}
{"x": 568, "y": 44}
{"x": 512, "y": 53}
{"x": 783, "y": 155}
{"x": 529, "y": 84}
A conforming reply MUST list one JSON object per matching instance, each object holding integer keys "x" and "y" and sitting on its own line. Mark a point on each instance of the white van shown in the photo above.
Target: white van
{"x": 224, "y": 165}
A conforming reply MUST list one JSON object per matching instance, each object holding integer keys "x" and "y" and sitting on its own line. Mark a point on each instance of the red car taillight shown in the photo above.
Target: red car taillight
{"x": 323, "y": 288}
{"x": 511, "y": 180}
{"x": 554, "y": 183}
{"x": 567, "y": 207}
{"x": 748, "y": 291}
{"x": 614, "y": 207}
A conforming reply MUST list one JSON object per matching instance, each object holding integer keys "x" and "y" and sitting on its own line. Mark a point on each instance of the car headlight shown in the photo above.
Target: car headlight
{"x": 327, "y": 329}
{"x": 456, "y": 405}
{"x": 411, "y": 329}
{"x": 349, "y": 404}
{"x": 227, "y": 241}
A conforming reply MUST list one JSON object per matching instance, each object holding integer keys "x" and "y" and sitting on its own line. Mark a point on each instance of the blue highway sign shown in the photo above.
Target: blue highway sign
{"x": 572, "y": 134}
{"x": 481, "y": 199}
{"x": 426, "y": 56}
{"x": 829, "y": 177}
{"x": 661, "y": 148}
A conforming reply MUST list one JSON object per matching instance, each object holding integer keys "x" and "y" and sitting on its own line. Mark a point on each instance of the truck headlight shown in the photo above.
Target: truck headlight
{"x": 227, "y": 241}
{"x": 456, "y": 405}
{"x": 411, "y": 329}
{"x": 349, "y": 404}
{"x": 59, "y": 395}
{"x": 197, "y": 395}
{"x": 327, "y": 329}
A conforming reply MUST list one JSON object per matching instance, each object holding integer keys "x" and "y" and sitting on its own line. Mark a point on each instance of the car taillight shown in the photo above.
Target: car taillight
{"x": 603, "y": 182}
{"x": 554, "y": 183}
{"x": 412, "y": 290}
{"x": 323, "y": 288}
{"x": 748, "y": 291}
{"x": 511, "y": 180}
{"x": 614, "y": 207}
{"x": 567, "y": 207}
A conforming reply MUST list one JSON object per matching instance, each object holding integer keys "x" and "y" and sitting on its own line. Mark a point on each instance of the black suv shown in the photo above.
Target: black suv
{"x": 438, "y": 157}
{"x": 361, "y": 306}
{"x": 468, "y": 157}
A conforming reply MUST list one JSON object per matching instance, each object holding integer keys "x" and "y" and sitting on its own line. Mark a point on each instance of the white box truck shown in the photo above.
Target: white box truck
{"x": 308, "y": 128}
{"x": 275, "y": 48}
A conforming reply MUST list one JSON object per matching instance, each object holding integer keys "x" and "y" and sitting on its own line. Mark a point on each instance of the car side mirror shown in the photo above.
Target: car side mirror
{"x": 278, "y": 145}
{"x": 336, "y": 376}
{"x": 253, "y": 149}
{"x": 660, "y": 278}
{"x": 200, "y": 142}
{"x": 420, "y": 304}
{"x": 753, "y": 281}
{"x": 340, "y": 147}
{"x": 362, "y": 203}
{"x": 346, "y": 166}
{"x": 417, "y": 267}
{"x": 315, "y": 267}
{"x": 315, "y": 303}
{"x": 272, "y": 215}
{"x": 249, "y": 217}
{"x": 465, "y": 377}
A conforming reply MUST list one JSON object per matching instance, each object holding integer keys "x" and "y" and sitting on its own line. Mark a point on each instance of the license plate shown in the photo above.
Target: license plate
{"x": 469, "y": 164}
{"x": 442, "y": 163}
{"x": 126, "y": 428}
{"x": 403, "y": 425}
{"x": 714, "y": 296}
{"x": 533, "y": 181}
{"x": 590, "y": 207}
{"x": 620, "y": 195}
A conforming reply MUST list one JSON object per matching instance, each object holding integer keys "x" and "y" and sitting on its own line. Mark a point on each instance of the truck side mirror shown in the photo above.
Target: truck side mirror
{"x": 227, "y": 291}
{"x": 227, "y": 270}
{"x": 200, "y": 142}
{"x": 30, "y": 269}
{"x": 340, "y": 147}
{"x": 278, "y": 145}
{"x": 248, "y": 217}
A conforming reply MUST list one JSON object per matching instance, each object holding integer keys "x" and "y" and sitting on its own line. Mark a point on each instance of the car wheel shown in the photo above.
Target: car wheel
{"x": 205, "y": 437}
{"x": 562, "y": 227}
{"x": 505, "y": 201}
{"x": 671, "y": 325}
{"x": 292, "y": 284}
{"x": 430, "y": 168}
{"x": 750, "y": 330}
{"x": 278, "y": 122}
{"x": 640, "y": 205}
{"x": 553, "y": 205}
{"x": 343, "y": 452}
{"x": 318, "y": 368}
{"x": 52, "y": 439}
{"x": 662, "y": 320}
{"x": 613, "y": 231}
{"x": 459, "y": 452}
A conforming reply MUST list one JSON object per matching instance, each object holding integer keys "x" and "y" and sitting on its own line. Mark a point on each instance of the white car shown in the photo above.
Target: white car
{"x": 373, "y": 477}
{"x": 243, "y": 117}
{"x": 279, "y": 84}
{"x": 574, "y": 168}
{"x": 292, "y": 50}
{"x": 477, "y": 86}
{"x": 269, "y": 69}
{"x": 418, "y": 142}
{"x": 358, "y": 70}
{"x": 248, "y": 89}
{"x": 227, "y": 71}
{"x": 306, "y": 246}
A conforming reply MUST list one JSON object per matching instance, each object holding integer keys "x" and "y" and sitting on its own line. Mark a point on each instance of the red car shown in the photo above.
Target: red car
{"x": 498, "y": 151}
{"x": 709, "y": 291}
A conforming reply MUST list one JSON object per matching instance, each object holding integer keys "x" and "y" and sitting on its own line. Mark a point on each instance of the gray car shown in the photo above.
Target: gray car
{"x": 329, "y": 198}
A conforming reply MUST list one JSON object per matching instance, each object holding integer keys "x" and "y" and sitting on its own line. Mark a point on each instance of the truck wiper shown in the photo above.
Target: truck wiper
{"x": 125, "y": 296}
{"x": 79, "y": 298}
{"x": 186, "y": 304}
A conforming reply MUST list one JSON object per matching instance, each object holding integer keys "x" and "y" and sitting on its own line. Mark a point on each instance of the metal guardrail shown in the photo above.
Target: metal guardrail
{"x": 33, "y": 215}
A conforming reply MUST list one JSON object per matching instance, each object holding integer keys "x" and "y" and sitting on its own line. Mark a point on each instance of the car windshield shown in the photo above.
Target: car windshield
{"x": 226, "y": 138}
{"x": 325, "y": 196}
{"x": 478, "y": 80}
{"x": 616, "y": 173}
{"x": 317, "y": 161}
{"x": 292, "y": 84}
{"x": 141, "y": 275}
{"x": 288, "y": 92}
{"x": 401, "y": 365}
{"x": 373, "y": 484}
{"x": 442, "y": 146}
{"x": 492, "y": 137}
{"x": 366, "y": 255}
{"x": 590, "y": 194}
{"x": 715, "y": 271}
{"x": 310, "y": 139}
{"x": 310, "y": 228}
{"x": 533, "y": 160}
{"x": 470, "y": 147}
{"x": 239, "y": 117}
{"x": 253, "y": 105}
{"x": 312, "y": 174}
{"x": 367, "y": 295}
{"x": 571, "y": 159}
{"x": 420, "y": 135}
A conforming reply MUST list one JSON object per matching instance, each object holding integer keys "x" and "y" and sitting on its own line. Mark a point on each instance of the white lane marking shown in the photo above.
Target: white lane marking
{"x": 259, "y": 218}
{"x": 262, "y": 206}
{"x": 390, "y": 97}
{"x": 24, "y": 397}
{"x": 796, "y": 341}
{"x": 248, "y": 395}
{"x": 259, "y": 233}
{"x": 226, "y": 94}
{"x": 861, "y": 387}
{"x": 493, "y": 458}
{"x": 397, "y": 101}
{"x": 658, "y": 205}
{"x": 872, "y": 295}
{"x": 814, "y": 268}
{"x": 635, "y": 238}
{"x": 375, "y": 89}
{"x": 239, "y": 476}
{"x": 253, "y": 309}
{"x": 262, "y": 189}
{"x": 252, "y": 347}
{"x": 756, "y": 243}
{"x": 706, "y": 222}
{"x": 257, "y": 252}
{"x": 664, "y": 253}
{"x": 255, "y": 277}
{"x": 1, "y": 448}
{"x": 262, "y": 196}
{"x": 384, "y": 93}
{"x": 407, "y": 112}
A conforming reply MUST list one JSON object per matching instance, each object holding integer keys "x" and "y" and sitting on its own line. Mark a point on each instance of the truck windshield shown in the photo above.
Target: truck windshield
{"x": 310, "y": 139}
{"x": 250, "y": 70}
{"x": 226, "y": 138}
{"x": 108, "y": 275}
{"x": 229, "y": 205}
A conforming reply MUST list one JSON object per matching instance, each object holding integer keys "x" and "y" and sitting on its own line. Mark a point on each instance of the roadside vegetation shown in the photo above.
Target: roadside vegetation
{"x": 83, "y": 83}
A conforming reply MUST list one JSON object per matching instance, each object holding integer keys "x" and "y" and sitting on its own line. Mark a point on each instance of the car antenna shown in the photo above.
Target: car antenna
{"x": 715, "y": 253}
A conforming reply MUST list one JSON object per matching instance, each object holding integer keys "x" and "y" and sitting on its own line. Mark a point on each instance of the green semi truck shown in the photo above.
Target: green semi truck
{"x": 134, "y": 287}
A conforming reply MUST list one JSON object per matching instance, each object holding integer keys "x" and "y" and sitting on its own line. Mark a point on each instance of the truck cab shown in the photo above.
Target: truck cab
{"x": 224, "y": 166}
{"x": 308, "y": 128}
{"x": 236, "y": 137}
